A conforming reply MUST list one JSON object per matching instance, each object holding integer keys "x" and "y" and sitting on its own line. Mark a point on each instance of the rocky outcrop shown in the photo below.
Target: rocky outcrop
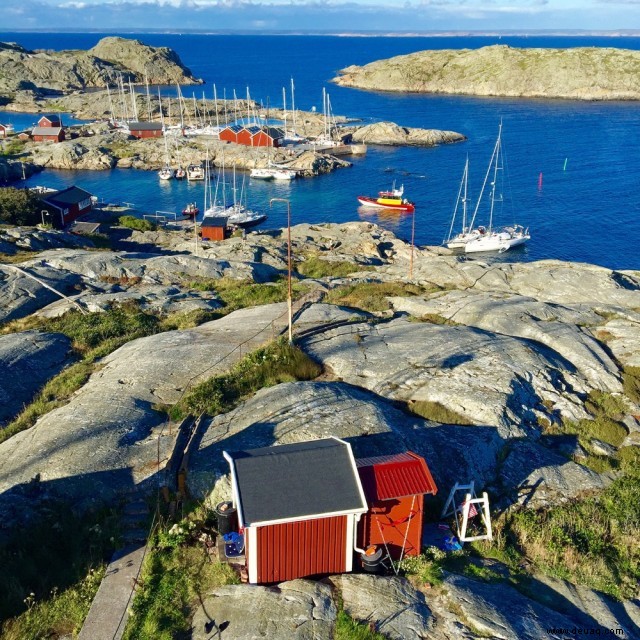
{"x": 21, "y": 69}
{"x": 581, "y": 73}
{"x": 159, "y": 65}
{"x": 389, "y": 133}
{"x": 295, "y": 610}
{"x": 27, "y": 361}
{"x": 390, "y": 604}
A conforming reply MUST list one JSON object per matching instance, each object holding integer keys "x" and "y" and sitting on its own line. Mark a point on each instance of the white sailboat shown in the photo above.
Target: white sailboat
{"x": 490, "y": 238}
{"x": 467, "y": 233}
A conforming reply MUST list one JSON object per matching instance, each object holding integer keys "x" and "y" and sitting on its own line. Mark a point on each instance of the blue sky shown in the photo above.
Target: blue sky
{"x": 334, "y": 15}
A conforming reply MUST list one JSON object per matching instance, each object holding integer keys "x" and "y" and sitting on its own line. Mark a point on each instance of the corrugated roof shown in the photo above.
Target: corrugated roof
{"x": 296, "y": 481}
{"x": 144, "y": 126}
{"x": 46, "y": 131}
{"x": 395, "y": 476}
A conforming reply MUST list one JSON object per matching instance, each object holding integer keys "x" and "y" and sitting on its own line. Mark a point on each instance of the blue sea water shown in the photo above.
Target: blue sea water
{"x": 587, "y": 208}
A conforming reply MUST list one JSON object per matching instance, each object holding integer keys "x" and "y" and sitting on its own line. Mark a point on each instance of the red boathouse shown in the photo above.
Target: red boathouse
{"x": 145, "y": 129}
{"x": 394, "y": 486}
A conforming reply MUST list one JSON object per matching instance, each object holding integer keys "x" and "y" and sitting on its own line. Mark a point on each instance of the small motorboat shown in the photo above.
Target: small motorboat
{"x": 191, "y": 210}
{"x": 181, "y": 174}
{"x": 389, "y": 200}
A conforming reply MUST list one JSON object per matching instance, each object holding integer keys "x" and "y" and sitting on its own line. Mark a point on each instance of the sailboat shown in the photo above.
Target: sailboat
{"x": 467, "y": 233}
{"x": 271, "y": 171}
{"x": 490, "y": 238}
{"x": 237, "y": 213}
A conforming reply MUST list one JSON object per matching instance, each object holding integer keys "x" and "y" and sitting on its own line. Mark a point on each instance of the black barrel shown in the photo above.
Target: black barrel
{"x": 371, "y": 561}
{"x": 227, "y": 517}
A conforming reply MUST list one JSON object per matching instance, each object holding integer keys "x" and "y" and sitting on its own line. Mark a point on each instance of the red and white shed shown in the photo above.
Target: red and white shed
{"x": 146, "y": 129}
{"x": 395, "y": 486}
{"x": 50, "y": 120}
{"x": 299, "y": 505}
{"x": 230, "y": 133}
{"x": 267, "y": 137}
{"x": 48, "y": 134}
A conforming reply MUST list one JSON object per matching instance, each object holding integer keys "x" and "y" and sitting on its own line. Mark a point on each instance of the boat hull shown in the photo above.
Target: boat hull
{"x": 373, "y": 202}
{"x": 495, "y": 243}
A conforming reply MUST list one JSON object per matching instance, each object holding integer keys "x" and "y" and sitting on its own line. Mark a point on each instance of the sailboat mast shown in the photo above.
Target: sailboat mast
{"x": 486, "y": 179}
{"x": 464, "y": 196}
{"x": 496, "y": 167}
{"x": 248, "y": 109}
{"x": 284, "y": 109}
{"x": 215, "y": 105}
{"x": 146, "y": 82}
{"x": 133, "y": 101}
{"x": 293, "y": 106}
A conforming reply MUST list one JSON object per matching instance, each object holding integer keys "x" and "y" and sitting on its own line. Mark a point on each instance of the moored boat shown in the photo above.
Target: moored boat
{"x": 195, "y": 172}
{"x": 391, "y": 199}
{"x": 191, "y": 210}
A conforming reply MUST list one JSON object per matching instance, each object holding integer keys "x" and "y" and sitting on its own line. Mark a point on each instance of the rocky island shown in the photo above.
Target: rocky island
{"x": 582, "y": 73}
{"x": 53, "y": 72}
{"x": 522, "y": 377}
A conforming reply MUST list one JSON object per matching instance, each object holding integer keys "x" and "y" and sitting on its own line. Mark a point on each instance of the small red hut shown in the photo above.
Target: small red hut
{"x": 230, "y": 133}
{"x": 48, "y": 134}
{"x": 3, "y": 131}
{"x": 298, "y": 505}
{"x": 50, "y": 120}
{"x": 214, "y": 228}
{"x": 245, "y": 135}
{"x": 146, "y": 129}
{"x": 395, "y": 486}
{"x": 67, "y": 204}
{"x": 267, "y": 137}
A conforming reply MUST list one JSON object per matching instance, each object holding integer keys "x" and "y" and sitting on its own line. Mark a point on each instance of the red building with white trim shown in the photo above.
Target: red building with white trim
{"x": 50, "y": 120}
{"x": 298, "y": 505}
{"x": 146, "y": 129}
{"x": 67, "y": 205}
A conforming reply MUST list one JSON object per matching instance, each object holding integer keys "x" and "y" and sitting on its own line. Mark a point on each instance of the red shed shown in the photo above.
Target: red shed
{"x": 146, "y": 129}
{"x": 395, "y": 486}
{"x": 214, "y": 228}
{"x": 299, "y": 505}
{"x": 47, "y": 134}
{"x": 3, "y": 131}
{"x": 245, "y": 135}
{"x": 230, "y": 133}
{"x": 68, "y": 204}
{"x": 54, "y": 121}
{"x": 267, "y": 137}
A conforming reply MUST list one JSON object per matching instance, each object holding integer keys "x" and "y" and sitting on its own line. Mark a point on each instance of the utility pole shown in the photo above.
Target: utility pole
{"x": 289, "y": 297}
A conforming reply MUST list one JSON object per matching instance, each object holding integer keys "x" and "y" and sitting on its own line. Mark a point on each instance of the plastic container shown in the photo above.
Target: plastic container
{"x": 371, "y": 559}
{"x": 227, "y": 517}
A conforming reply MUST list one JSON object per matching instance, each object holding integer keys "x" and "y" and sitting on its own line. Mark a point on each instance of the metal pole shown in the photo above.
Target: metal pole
{"x": 413, "y": 232}
{"x": 289, "y": 296}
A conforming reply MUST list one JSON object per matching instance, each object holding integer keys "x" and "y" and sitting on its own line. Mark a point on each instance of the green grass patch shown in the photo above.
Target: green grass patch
{"x": 436, "y": 412}
{"x": 316, "y": 267}
{"x": 49, "y": 564}
{"x": 349, "y": 629}
{"x": 279, "y": 362}
{"x": 371, "y": 296}
{"x": 426, "y": 568}
{"x": 176, "y": 575}
{"x": 61, "y": 615}
{"x": 631, "y": 383}
{"x": 600, "y": 428}
{"x": 138, "y": 224}
{"x": 436, "y": 318}
{"x": 591, "y": 541}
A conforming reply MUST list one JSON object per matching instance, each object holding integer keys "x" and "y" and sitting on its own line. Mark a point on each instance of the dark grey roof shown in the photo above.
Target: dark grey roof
{"x": 71, "y": 195}
{"x": 274, "y": 132}
{"x": 214, "y": 221}
{"x": 296, "y": 481}
{"x": 144, "y": 126}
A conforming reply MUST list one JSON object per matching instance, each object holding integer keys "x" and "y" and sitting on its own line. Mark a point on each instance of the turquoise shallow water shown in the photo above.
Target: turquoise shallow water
{"x": 588, "y": 153}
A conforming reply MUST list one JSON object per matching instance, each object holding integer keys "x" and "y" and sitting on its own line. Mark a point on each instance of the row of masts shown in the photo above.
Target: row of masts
{"x": 124, "y": 109}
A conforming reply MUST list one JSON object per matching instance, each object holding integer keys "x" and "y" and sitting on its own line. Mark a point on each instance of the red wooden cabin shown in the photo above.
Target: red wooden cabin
{"x": 214, "y": 228}
{"x": 230, "y": 133}
{"x": 50, "y": 120}
{"x": 245, "y": 135}
{"x": 146, "y": 129}
{"x": 48, "y": 134}
{"x": 298, "y": 505}
{"x": 395, "y": 486}
{"x": 267, "y": 137}
{"x": 67, "y": 205}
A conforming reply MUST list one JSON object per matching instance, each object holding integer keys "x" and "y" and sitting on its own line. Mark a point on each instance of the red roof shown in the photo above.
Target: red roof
{"x": 395, "y": 476}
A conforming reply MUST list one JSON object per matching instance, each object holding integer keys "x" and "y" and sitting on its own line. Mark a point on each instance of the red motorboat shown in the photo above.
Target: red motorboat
{"x": 191, "y": 210}
{"x": 389, "y": 200}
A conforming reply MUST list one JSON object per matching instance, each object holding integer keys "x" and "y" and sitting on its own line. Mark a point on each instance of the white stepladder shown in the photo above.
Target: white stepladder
{"x": 462, "y": 511}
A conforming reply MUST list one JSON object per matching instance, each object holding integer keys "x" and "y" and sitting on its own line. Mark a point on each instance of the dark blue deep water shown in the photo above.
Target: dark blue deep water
{"x": 588, "y": 208}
